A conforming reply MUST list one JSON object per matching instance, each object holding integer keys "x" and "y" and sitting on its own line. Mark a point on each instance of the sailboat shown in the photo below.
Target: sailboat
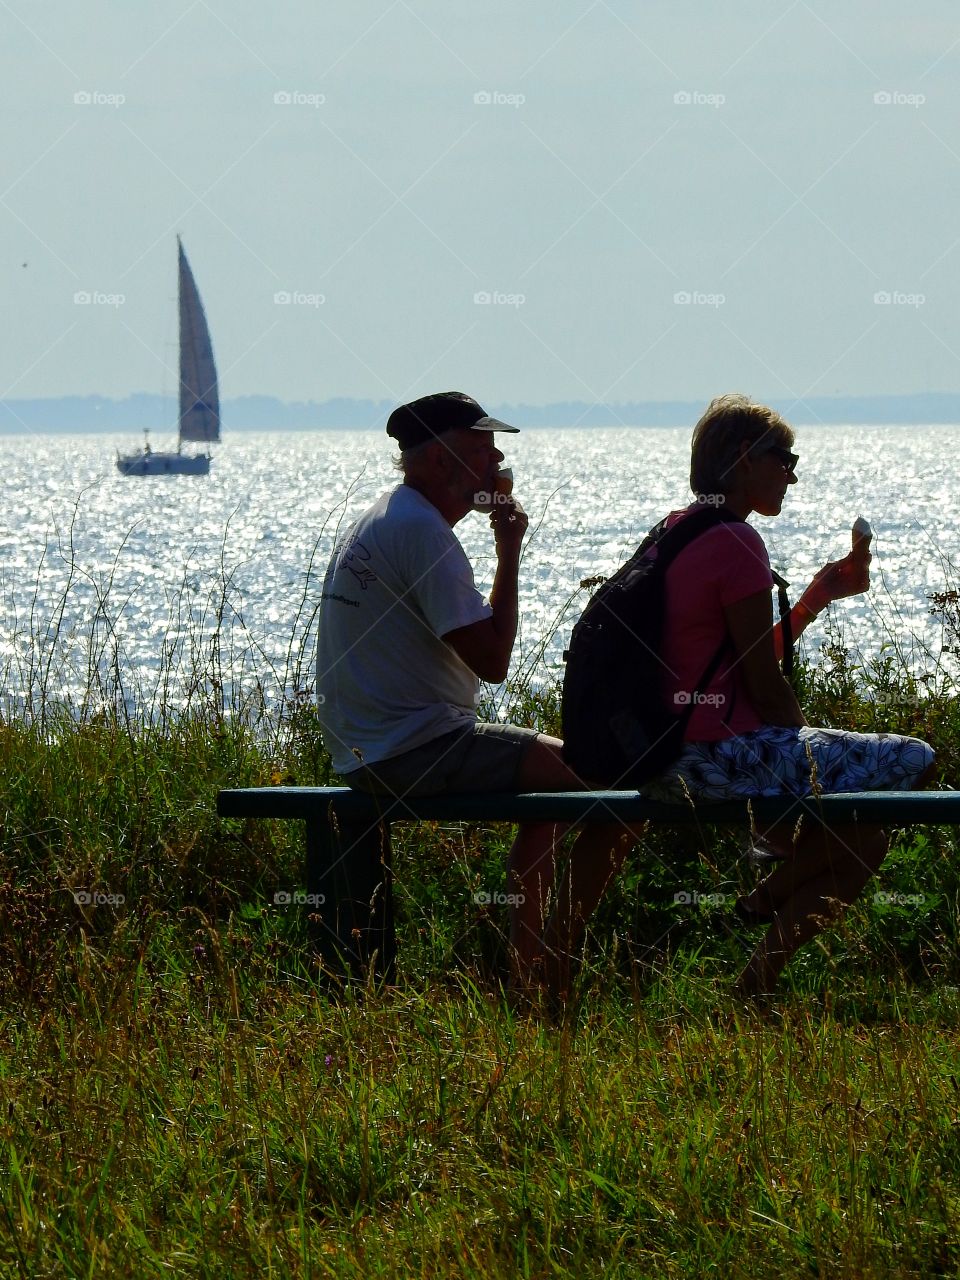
{"x": 199, "y": 399}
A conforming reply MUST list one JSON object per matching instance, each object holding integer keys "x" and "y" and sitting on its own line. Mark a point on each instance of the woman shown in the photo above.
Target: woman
{"x": 747, "y": 734}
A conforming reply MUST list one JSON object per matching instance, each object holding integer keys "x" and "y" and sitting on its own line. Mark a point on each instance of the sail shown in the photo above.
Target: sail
{"x": 199, "y": 399}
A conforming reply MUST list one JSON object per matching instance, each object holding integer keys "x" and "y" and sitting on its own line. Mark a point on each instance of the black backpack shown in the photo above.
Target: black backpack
{"x": 616, "y": 728}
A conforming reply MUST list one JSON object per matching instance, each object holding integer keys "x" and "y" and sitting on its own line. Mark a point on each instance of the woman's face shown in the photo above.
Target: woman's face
{"x": 770, "y": 472}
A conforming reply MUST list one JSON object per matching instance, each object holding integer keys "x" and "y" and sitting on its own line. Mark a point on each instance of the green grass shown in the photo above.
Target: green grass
{"x": 180, "y": 1095}
{"x": 202, "y": 1116}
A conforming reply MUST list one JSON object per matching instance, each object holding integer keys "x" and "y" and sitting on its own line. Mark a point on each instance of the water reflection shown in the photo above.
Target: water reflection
{"x": 139, "y": 573}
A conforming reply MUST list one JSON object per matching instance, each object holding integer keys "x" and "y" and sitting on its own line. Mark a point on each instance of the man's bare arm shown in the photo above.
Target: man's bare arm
{"x": 486, "y": 646}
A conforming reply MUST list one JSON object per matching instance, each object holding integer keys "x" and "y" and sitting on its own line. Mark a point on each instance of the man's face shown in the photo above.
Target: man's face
{"x": 478, "y": 459}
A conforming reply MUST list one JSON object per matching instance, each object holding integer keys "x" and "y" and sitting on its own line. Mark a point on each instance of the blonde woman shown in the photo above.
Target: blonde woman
{"x": 747, "y": 734}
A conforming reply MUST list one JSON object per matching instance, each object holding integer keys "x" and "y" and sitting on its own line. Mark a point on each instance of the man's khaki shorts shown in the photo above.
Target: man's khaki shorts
{"x": 477, "y": 757}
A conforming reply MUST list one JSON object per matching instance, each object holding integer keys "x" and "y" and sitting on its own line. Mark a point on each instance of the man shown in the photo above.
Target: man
{"x": 404, "y": 640}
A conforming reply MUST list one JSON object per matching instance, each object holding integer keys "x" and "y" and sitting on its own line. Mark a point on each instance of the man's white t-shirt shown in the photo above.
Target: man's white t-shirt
{"x": 386, "y": 681}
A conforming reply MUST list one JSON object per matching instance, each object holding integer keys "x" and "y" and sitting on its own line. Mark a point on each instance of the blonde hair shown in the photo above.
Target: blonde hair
{"x": 728, "y": 422}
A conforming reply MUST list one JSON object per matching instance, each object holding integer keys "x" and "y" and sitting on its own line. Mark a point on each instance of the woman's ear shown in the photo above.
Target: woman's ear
{"x": 744, "y": 454}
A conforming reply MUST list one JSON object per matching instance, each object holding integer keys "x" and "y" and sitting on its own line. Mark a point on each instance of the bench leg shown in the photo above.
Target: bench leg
{"x": 350, "y": 897}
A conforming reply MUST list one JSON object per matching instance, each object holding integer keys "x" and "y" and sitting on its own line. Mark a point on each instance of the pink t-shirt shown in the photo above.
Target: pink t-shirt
{"x": 723, "y": 565}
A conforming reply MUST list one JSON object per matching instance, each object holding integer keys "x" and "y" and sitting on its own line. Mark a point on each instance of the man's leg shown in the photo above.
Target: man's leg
{"x": 542, "y": 947}
{"x": 530, "y": 864}
{"x": 596, "y": 858}
{"x": 530, "y": 874}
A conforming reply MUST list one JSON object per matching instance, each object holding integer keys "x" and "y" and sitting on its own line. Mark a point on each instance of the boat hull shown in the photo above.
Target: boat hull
{"x": 163, "y": 464}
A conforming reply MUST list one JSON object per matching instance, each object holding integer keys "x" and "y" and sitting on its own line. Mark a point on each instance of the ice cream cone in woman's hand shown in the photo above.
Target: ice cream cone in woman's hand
{"x": 862, "y": 536}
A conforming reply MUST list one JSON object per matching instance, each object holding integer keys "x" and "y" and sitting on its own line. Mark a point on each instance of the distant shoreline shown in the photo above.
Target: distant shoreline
{"x": 69, "y": 414}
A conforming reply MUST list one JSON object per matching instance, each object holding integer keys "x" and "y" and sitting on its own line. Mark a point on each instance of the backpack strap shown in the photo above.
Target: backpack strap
{"x": 786, "y": 625}
{"x": 670, "y": 542}
{"x": 703, "y": 683}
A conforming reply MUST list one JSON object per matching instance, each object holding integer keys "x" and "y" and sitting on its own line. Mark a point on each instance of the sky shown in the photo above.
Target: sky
{"x": 594, "y": 201}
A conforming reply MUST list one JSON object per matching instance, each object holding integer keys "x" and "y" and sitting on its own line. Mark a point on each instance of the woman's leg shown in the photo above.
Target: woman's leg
{"x": 825, "y": 873}
{"x": 773, "y": 891}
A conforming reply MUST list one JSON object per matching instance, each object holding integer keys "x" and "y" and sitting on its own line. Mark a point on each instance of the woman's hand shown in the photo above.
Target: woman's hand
{"x": 837, "y": 580}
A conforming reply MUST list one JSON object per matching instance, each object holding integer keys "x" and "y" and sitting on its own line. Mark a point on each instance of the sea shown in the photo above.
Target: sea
{"x": 148, "y": 588}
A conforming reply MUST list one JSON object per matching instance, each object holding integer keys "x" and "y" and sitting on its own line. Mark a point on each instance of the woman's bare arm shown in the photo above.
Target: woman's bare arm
{"x": 835, "y": 581}
{"x": 750, "y": 625}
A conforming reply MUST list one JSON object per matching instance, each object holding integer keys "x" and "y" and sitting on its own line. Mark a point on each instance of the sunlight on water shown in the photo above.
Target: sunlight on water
{"x": 104, "y": 559}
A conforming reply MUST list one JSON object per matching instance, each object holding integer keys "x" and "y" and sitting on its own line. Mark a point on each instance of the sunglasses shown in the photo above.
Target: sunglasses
{"x": 787, "y": 459}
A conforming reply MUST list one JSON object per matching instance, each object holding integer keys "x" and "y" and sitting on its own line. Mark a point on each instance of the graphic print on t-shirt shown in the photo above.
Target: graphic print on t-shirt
{"x": 352, "y": 558}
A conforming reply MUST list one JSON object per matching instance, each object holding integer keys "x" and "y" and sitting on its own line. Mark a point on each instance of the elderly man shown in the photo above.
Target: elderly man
{"x": 404, "y": 640}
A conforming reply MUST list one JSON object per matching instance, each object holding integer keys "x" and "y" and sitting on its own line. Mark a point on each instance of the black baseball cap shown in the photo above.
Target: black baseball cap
{"x": 420, "y": 420}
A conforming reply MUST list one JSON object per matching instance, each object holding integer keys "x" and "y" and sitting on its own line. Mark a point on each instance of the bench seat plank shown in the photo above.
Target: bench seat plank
{"x": 349, "y": 900}
{"x": 898, "y": 807}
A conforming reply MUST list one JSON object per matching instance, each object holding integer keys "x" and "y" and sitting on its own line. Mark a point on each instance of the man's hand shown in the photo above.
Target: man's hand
{"x": 837, "y": 580}
{"x": 486, "y": 646}
{"x": 509, "y": 522}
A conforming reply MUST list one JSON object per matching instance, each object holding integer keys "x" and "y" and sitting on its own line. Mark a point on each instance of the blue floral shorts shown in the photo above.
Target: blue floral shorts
{"x": 776, "y": 761}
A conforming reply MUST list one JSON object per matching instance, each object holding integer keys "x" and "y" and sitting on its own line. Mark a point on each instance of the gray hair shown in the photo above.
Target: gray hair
{"x": 406, "y": 462}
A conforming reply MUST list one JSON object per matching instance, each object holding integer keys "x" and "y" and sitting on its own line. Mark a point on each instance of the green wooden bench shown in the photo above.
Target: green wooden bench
{"x": 349, "y": 896}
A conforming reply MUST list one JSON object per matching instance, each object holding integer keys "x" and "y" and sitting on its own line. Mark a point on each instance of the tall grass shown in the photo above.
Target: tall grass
{"x": 179, "y": 1094}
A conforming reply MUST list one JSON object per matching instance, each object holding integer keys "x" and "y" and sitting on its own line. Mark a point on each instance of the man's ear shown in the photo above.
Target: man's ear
{"x": 437, "y": 457}
{"x": 443, "y": 456}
